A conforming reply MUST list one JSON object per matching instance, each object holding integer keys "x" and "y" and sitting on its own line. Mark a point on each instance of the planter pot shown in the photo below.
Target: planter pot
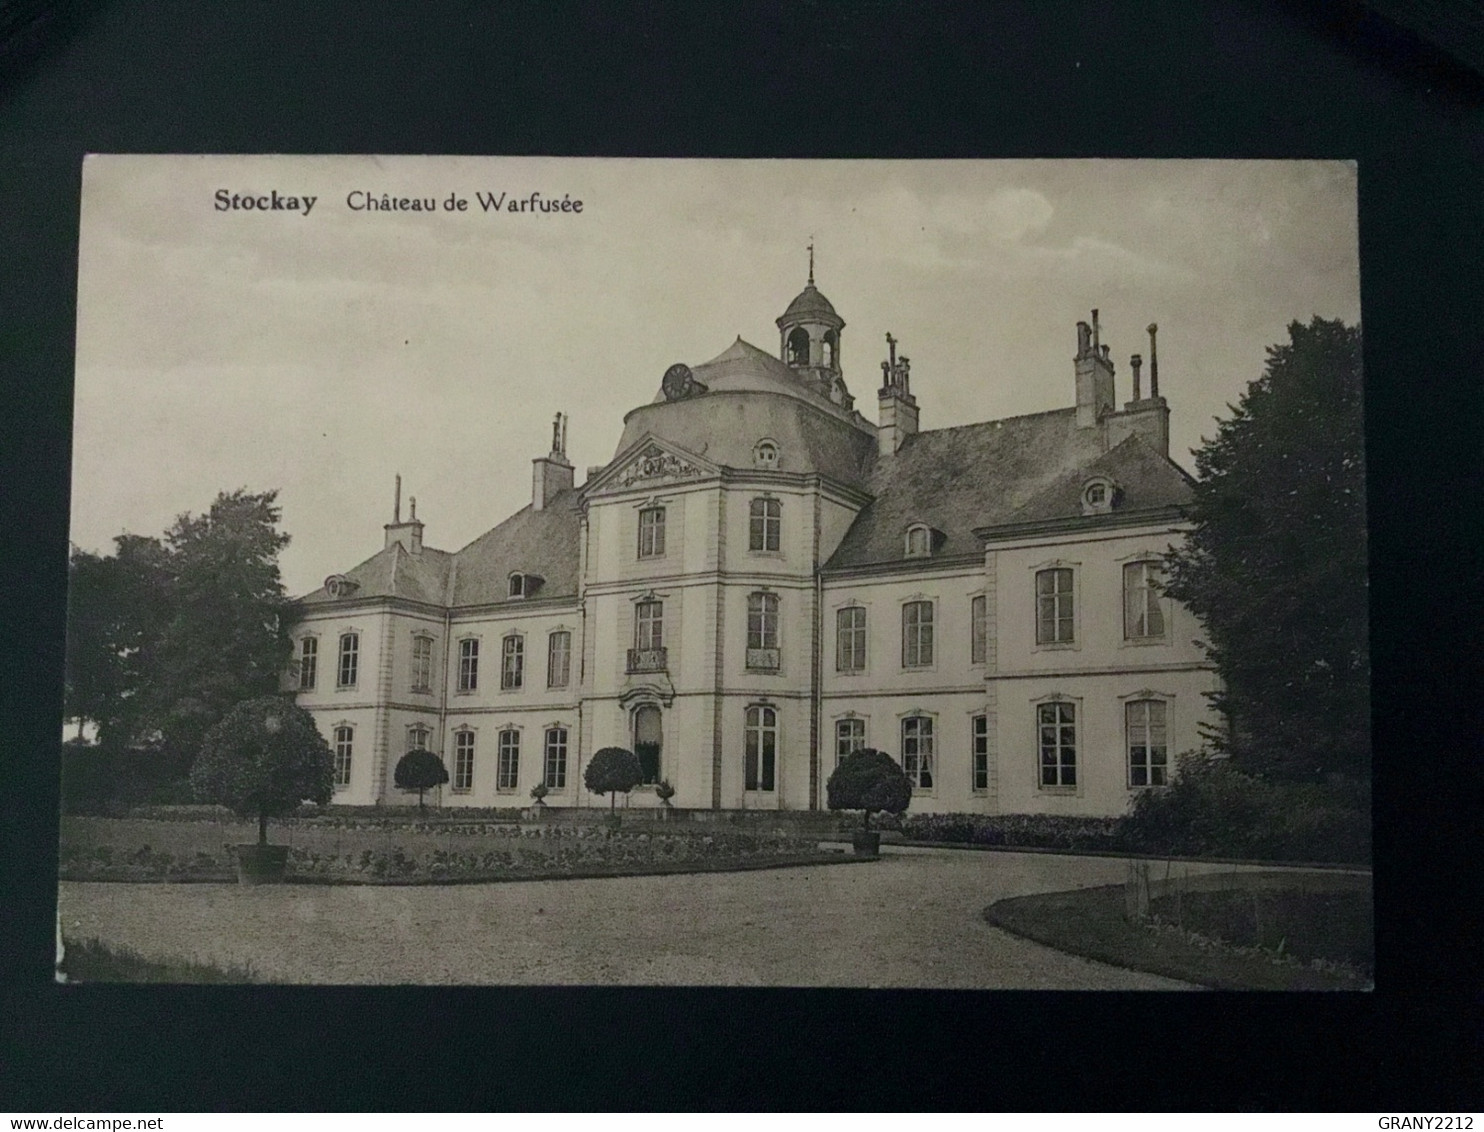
{"x": 866, "y": 844}
{"x": 261, "y": 864}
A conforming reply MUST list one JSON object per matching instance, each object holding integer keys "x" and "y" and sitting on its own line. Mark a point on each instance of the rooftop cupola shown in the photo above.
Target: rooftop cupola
{"x": 809, "y": 341}
{"x": 553, "y": 472}
{"x": 410, "y": 533}
{"x": 898, "y": 408}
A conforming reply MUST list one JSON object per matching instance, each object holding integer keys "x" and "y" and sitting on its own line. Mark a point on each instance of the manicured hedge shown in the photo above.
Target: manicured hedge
{"x": 1022, "y": 831}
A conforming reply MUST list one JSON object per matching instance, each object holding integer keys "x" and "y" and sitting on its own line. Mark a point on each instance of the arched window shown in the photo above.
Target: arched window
{"x": 648, "y": 742}
{"x": 919, "y": 541}
{"x": 1055, "y": 611}
{"x": 761, "y": 741}
{"x": 1143, "y": 616}
{"x": 829, "y": 350}
{"x": 765, "y": 525}
{"x": 469, "y": 664}
{"x": 517, "y": 585}
{"x": 762, "y": 632}
{"x": 417, "y": 737}
{"x": 559, "y": 659}
{"x": 1056, "y": 726}
{"x": 350, "y": 658}
{"x": 1148, "y": 743}
{"x": 308, "y": 663}
{"x": 556, "y": 758}
{"x": 765, "y": 454}
{"x": 917, "y": 750}
{"x": 344, "y": 749}
{"x": 798, "y": 347}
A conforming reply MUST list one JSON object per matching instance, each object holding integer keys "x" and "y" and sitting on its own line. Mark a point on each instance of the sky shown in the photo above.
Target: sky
{"x": 322, "y": 353}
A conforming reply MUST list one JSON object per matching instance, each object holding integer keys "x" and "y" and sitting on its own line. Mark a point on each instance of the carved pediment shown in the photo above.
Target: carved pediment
{"x": 654, "y": 464}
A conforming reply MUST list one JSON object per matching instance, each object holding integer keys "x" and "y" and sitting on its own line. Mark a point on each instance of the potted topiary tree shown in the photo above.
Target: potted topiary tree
{"x": 612, "y": 771}
{"x": 262, "y": 760}
{"x": 870, "y": 781}
{"x": 538, "y": 795}
{"x": 419, "y": 770}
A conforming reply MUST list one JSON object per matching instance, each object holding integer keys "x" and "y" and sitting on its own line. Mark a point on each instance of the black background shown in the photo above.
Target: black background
{"x": 868, "y": 79}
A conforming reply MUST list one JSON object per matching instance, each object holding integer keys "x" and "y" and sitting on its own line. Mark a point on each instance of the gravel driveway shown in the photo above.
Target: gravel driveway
{"x": 913, "y": 919}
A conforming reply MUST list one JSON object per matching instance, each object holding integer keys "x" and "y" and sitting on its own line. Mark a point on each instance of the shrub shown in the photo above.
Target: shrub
{"x": 1213, "y": 809}
{"x": 869, "y": 780}
{"x": 419, "y": 770}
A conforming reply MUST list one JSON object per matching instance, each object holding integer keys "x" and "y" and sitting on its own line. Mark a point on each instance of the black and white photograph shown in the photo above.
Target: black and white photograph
{"x": 695, "y": 572}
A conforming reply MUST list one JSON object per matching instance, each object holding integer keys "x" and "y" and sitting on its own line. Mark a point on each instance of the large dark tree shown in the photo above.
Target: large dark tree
{"x": 612, "y": 771}
{"x": 167, "y": 634}
{"x": 870, "y": 781}
{"x": 419, "y": 770}
{"x": 1276, "y": 564}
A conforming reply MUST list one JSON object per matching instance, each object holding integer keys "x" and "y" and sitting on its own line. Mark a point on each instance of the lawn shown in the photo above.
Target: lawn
{"x": 1323, "y": 950}
{"x": 91, "y": 961}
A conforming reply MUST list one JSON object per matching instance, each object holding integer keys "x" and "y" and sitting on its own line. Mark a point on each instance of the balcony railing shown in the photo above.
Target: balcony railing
{"x": 762, "y": 660}
{"x": 649, "y": 660}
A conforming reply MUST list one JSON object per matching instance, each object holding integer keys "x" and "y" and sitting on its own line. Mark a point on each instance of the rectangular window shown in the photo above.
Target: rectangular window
{"x": 468, "y": 664}
{"x": 979, "y": 733}
{"x": 558, "y": 659}
{"x": 1148, "y": 750}
{"x": 417, "y": 738}
{"x": 850, "y": 639}
{"x": 761, "y": 749}
{"x": 917, "y": 750}
{"x": 978, "y": 630}
{"x": 1057, "y": 725}
{"x": 507, "y": 772}
{"x": 652, "y": 532}
{"x": 765, "y": 525}
{"x": 762, "y": 621}
{"x": 850, "y": 735}
{"x": 350, "y": 657}
{"x": 917, "y": 634}
{"x": 649, "y": 625}
{"x": 556, "y": 758}
{"x": 422, "y": 664}
{"x": 1054, "y": 607}
{"x": 463, "y": 762}
{"x": 344, "y": 749}
{"x": 308, "y": 663}
{"x": 513, "y": 662}
{"x": 1143, "y": 619}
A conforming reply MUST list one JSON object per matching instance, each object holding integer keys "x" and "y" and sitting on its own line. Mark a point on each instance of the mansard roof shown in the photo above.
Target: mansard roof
{"x": 544, "y": 543}
{"x": 1020, "y": 469}
{"x": 397, "y": 572}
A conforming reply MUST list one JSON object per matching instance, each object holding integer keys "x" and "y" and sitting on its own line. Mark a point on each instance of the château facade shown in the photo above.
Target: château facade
{"x": 762, "y": 579}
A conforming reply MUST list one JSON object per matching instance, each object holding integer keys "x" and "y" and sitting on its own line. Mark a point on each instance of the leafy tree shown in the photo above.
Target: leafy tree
{"x": 419, "y": 770}
{"x": 262, "y": 759}
{"x": 612, "y": 771}
{"x": 871, "y": 781}
{"x": 167, "y": 634}
{"x": 1276, "y": 564}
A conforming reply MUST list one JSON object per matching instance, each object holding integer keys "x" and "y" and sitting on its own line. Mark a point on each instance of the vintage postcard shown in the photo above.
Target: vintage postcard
{"x": 792, "y": 573}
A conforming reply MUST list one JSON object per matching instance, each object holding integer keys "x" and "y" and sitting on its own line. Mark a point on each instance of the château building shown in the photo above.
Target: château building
{"x": 762, "y": 579}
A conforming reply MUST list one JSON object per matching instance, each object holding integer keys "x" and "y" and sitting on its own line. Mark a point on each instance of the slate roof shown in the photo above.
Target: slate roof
{"x": 1020, "y": 469}
{"x": 543, "y": 542}
{"x": 396, "y": 572}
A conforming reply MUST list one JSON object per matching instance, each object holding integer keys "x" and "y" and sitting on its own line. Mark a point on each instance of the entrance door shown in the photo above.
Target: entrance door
{"x": 647, "y": 741}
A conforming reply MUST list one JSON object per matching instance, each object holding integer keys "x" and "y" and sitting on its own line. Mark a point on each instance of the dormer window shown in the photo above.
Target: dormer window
{"x": 765, "y": 454}
{"x": 1098, "y": 496}
{"x": 517, "y": 585}
{"x": 919, "y": 541}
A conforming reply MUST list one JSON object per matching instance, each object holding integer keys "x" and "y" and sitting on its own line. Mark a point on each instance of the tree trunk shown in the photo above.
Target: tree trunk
{"x": 421, "y": 809}
{"x": 867, "y": 815}
{"x": 262, "y": 829}
{"x": 612, "y": 800}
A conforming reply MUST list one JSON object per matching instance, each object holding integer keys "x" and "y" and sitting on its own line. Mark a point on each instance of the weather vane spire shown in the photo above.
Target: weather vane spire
{"x": 811, "y": 260}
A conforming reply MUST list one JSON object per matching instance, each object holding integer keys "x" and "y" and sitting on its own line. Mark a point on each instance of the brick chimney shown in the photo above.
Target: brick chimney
{"x": 410, "y": 533}
{"x": 553, "y": 472}
{"x": 898, "y": 408}
{"x": 1149, "y": 416}
{"x": 1094, "y": 375}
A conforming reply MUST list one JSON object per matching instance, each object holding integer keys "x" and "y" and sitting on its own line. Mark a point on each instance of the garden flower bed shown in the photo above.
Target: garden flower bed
{"x": 338, "y": 851}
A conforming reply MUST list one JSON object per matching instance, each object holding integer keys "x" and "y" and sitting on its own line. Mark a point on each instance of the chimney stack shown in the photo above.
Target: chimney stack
{"x": 1134, "y": 363}
{"x": 1094, "y": 371}
{"x": 552, "y": 473}
{"x": 897, "y": 406}
{"x": 410, "y": 533}
{"x": 1153, "y": 362}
